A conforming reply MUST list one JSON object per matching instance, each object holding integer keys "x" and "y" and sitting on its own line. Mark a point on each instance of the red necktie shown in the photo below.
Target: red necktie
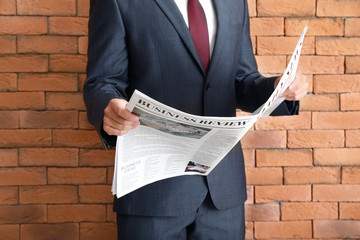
{"x": 199, "y": 31}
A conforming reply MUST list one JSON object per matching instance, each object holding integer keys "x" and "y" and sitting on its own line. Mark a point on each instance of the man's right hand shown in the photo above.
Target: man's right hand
{"x": 117, "y": 119}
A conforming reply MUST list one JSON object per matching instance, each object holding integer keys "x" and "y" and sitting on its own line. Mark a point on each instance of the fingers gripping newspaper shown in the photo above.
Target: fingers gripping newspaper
{"x": 170, "y": 143}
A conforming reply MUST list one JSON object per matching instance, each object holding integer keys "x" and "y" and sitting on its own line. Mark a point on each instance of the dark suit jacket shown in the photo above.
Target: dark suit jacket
{"x": 146, "y": 45}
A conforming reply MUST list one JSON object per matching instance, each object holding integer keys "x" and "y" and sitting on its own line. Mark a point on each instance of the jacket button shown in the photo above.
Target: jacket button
{"x": 207, "y": 86}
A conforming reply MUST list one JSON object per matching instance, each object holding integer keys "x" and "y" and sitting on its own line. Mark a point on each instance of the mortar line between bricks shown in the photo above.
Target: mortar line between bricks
{"x": 313, "y": 157}
{"x": 16, "y": 8}
{"x": 341, "y": 175}
{"x": 77, "y": 8}
{"x": 79, "y": 236}
{"x": 312, "y": 228}
{"x": 19, "y": 231}
{"x": 284, "y": 22}
{"x": 79, "y": 156}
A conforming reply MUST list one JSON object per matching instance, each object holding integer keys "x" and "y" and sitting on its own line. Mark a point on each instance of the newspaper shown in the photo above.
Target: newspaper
{"x": 170, "y": 143}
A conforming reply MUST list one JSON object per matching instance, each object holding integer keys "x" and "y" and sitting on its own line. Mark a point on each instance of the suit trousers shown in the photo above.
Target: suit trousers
{"x": 207, "y": 223}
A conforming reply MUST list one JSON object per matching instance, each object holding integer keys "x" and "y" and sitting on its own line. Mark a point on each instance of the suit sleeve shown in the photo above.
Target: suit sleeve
{"x": 107, "y": 63}
{"x": 253, "y": 89}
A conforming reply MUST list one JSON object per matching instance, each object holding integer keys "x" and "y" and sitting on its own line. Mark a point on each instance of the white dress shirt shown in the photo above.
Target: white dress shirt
{"x": 210, "y": 18}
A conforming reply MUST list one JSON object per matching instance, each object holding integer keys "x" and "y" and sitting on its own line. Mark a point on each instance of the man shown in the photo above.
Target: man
{"x": 158, "y": 47}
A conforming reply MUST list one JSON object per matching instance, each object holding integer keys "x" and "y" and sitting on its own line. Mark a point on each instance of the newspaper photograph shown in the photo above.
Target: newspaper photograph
{"x": 170, "y": 143}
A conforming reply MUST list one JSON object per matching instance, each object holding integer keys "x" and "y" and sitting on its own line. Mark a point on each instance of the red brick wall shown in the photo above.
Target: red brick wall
{"x": 303, "y": 171}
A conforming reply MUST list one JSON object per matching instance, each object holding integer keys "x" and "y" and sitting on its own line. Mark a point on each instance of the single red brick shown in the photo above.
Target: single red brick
{"x": 76, "y": 138}
{"x": 352, "y": 138}
{"x": 337, "y": 83}
{"x": 25, "y": 138}
{"x": 9, "y": 196}
{"x": 48, "y": 194}
{"x": 253, "y": 42}
{"x": 97, "y": 157}
{"x": 13, "y": 25}
{"x": 68, "y": 231}
{"x": 316, "y": 138}
{"x": 320, "y": 102}
{"x": 68, "y": 25}
{"x": 7, "y": 44}
{"x": 8, "y": 82}
{"x": 95, "y": 231}
{"x": 9, "y": 119}
{"x": 336, "y": 156}
{"x": 336, "y": 229}
{"x": 83, "y": 122}
{"x": 350, "y": 211}
{"x": 317, "y": 26}
{"x": 336, "y": 120}
{"x": 350, "y": 175}
{"x": 289, "y": 229}
{"x": 264, "y": 139}
{"x": 335, "y": 193}
{"x": 8, "y": 157}
{"x": 83, "y": 45}
{"x": 8, "y": 7}
{"x": 10, "y": 232}
{"x": 49, "y": 157}
{"x": 249, "y": 157}
{"x": 110, "y": 175}
{"x": 335, "y": 8}
{"x": 48, "y": 119}
{"x": 312, "y": 175}
{"x": 76, "y": 175}
{"x": 286, "y": 8}
{"x": 286, "y": 158}
{"x": 22, "y": 100}
{"x": 95, "y": 194}
{"x": 48, "y": 82}
{"x": 322, "y": 64}
{"x": 337, "y": 46}
{"x": 264, "y": 176}
{"x": 68, "y": 63}
{"x": 76, "y": 213}
{"x": 283, "y": 45}
{"x": 269, "y": 26}
{"x": 23, "y": 63}
{"x": 249, "y": 230}
{"x": 282, "y": 193}
{"x": 65, "y": 101}
{"x": 262, "y": 212}
{"x": 22, "y": 176}
{"x": 110, "y": 214}
{"x": 250, "y": 195}
{"x": 301, "y": 121}
{"x": 308, "y": 211}
{"x": 271, "y": 64}
{"x": 46, "y": 44}
{"x": 350, "y": 101}
{"x": 46, "y": 7}
{"x": 352, "y": 26}
{"x": 23, "y": 214}
{"x": 352, "y": 65}
{"x": 83, "y": 8}
{"x": 82, "y": 79}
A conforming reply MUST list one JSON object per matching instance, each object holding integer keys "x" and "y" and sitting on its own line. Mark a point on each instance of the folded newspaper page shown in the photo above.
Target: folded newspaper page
{"x": 170, "y": 143}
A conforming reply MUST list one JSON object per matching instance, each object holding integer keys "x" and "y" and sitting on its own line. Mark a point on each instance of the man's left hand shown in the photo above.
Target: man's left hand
{"x": 297, "y": 89}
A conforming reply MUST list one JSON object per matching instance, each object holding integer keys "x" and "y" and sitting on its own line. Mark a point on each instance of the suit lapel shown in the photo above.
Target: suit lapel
{"x": 172, "y": 12}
